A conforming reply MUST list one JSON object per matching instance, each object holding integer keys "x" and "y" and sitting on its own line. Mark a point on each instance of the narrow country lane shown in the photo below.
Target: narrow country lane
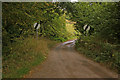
{"x": 64, "y": 62}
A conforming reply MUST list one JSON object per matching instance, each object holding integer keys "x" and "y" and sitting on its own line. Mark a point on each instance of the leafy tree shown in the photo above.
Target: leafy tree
{"x": 19, "y": 18}
{"x": 103, "y": 17}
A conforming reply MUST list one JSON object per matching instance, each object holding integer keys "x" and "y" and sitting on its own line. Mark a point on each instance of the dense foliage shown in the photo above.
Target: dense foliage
{"x": 103, "y": 17}
{"x": 103, "y": 43}
{"x": 100, "y": 52}
{"x": 21, "y": 51}
{"x": 18, "y": 20}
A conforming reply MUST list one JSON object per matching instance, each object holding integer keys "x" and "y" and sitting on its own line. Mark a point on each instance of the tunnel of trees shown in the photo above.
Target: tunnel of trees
{"x": 18, "y": 19}
{"x": 103, "y": 43}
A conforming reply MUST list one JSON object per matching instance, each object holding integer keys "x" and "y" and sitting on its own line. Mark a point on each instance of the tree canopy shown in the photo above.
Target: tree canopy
{"x": 103, "y": 17}
{"x": 19, "y": 17}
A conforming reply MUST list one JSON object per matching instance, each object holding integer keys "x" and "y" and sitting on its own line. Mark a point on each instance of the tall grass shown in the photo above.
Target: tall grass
{"x": 24, "y": 55}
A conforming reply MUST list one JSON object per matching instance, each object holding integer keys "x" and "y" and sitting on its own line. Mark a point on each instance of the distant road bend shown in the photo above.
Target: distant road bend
{"x": 64, "y": 62}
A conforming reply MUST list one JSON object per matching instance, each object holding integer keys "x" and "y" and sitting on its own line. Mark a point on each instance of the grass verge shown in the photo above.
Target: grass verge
{"x": 25, "y": 55}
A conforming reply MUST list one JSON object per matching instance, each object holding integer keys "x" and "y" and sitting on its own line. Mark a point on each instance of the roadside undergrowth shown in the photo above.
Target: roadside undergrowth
{"x": 25, "y": 55}
{"x": 100, "y": 51}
